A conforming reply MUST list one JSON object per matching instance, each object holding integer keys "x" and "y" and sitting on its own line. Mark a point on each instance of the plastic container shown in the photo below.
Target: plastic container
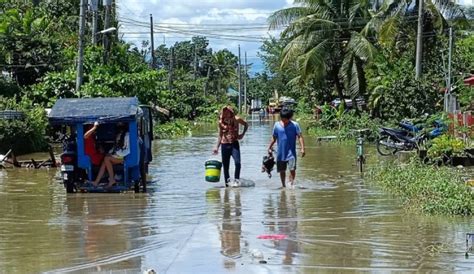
{"x": 213, "y": 171}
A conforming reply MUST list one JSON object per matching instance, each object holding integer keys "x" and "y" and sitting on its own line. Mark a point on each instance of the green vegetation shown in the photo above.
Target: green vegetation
{"x": 427, "y": 189}
{"x": 23, "y": 135}
{"x": 320, "y": 53}
{"x": 346, "y": 49}
{"x": 344, "y": 125}
{"x": 38, "y": 49}
{"x": 446, "y": 146}
{"x": 328, "y": 49}
{"x": 173, "y": 129}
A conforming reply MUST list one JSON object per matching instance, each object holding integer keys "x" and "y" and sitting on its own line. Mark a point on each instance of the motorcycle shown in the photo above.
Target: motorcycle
{"x": 68, "y": 162}
{"x": 408, "y": 138}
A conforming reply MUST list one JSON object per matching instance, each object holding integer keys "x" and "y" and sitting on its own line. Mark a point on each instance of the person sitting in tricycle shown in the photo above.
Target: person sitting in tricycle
{"x": 92, "y": 149}
{"x": 116, "y": 155}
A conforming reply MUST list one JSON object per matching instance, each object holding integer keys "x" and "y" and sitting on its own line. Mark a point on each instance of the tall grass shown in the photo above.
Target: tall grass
{"x": 429, "y": 189}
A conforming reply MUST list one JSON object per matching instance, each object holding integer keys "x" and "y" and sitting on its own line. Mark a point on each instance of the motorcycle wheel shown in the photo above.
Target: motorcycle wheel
{"x": 70, "y": 187}
{"x": 383, "y": 149}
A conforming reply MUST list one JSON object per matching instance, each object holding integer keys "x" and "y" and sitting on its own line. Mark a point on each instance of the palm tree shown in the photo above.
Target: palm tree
{"x": 327, "y": 39}
{"x": 223, "y": 65}
{"x": 398, "y": 17}
{"x": 396, "y": 25}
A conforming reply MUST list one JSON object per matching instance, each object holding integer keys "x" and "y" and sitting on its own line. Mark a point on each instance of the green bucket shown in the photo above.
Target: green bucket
{"x": 213, "y": 171}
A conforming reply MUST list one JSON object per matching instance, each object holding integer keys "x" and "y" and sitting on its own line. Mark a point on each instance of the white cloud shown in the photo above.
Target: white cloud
{"x": 226, "y": 23}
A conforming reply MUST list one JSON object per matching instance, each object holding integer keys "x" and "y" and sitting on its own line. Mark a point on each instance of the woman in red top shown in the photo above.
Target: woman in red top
{"x": 229, "y": 141}
{"x": 96, "y": 155}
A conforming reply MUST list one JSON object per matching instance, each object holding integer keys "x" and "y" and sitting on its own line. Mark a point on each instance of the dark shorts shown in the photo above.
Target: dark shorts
{"x": 284, "y": 165}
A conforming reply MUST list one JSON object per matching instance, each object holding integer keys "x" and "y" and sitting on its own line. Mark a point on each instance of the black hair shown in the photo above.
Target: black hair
{"x": 286, "y": 113}
{"x": 122, "y": 130}
{"x": 122, "y": 126}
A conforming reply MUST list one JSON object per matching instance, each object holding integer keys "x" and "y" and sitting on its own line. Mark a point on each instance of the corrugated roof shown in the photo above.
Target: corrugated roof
{"x": 81, "y": 110}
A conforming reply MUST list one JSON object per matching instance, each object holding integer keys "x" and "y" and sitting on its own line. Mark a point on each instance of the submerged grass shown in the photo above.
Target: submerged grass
{"x": 428, "y": 189}
{"x": 173, "y": 129}
{"x": 346, "y": 126}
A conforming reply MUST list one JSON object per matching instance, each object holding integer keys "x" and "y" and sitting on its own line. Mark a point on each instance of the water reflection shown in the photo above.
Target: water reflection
{"x": 231, "y": 227}
{"x": 337, "y": 224}
{"x": 281, "y": 216}
{"x": 103, "y": 232}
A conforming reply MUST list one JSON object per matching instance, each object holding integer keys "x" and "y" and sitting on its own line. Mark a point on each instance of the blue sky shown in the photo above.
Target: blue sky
{"x": 229, "y": 22}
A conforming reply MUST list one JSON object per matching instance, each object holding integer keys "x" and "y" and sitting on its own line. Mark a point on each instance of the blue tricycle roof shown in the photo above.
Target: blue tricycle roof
{"x": 83, "y": 110}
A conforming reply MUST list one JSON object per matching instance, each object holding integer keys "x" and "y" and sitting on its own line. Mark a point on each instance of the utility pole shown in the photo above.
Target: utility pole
{"x": 419, "y": 40}
{"x": 170, "y": 76}
{"x": 245, "y": 82}
{"x": 240, "y": 84}
{"x": 206, "y": 85}
{"x": 153, "y": 65}
{"x": 447, "y": 95}
{"x": 450, "y": 54}
{"x": 94, "y": 8}
{"x": 80, "y": 59}
{"x": 108, "y": 7}
{"x": 195, "y": 62}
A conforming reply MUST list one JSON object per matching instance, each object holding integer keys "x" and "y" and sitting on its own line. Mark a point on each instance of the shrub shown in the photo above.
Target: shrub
{"x": 26, "y": 135}
{"x": 345, "y": 124}
{"x": 172, "y": 129}
{"x": 445, "y": 145}
{"x": 395, "y": 94}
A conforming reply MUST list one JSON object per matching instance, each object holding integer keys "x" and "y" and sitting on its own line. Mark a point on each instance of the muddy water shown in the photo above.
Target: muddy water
{"x": 334, "y": 222}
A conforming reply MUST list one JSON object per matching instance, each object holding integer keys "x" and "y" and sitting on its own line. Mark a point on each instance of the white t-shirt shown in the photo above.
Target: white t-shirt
{"x": 125, "y": 150}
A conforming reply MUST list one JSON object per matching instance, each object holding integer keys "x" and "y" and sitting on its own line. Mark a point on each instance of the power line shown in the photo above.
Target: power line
{"x": 212, "y": 32}
{"x": 341, "y": 20}
{"x": 239, "y": 38}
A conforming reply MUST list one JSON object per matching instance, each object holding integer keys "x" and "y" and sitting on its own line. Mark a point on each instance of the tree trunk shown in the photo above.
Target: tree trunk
{"x": 339, "y": 87}
{"x": 362, "y": 82}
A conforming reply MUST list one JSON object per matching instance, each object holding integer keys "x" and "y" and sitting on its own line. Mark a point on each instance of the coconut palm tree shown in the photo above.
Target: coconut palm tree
{"x": 397, "y": 18}
{"x": 327, "y": 39}
{"x": 223, "y": 65}
{"x": 395, "y": 25}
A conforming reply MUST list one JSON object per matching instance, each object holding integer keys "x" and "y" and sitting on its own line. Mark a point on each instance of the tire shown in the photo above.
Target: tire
{"x": 136, "y": 187}
{"x": 447, "y": 160}
{"x": 143, "y": 177}
{"x": 360, "y": 164}
{"x": 383, "y": 149}
{"x": 69, "y": 184}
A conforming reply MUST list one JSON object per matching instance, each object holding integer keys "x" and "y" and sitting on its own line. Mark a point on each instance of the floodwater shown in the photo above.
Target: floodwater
{"x": 333, "y": 222}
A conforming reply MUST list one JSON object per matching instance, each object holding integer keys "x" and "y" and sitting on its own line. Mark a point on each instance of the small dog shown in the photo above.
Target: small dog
{"x": 268, "y": 163}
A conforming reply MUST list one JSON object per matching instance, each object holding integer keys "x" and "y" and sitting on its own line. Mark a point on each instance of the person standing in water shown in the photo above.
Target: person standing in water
{"x": 285, "y": 132}
{"x": 228, "y": 140}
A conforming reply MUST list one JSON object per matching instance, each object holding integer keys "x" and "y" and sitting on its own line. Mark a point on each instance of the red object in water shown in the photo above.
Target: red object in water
{"x": 272, "y": 237}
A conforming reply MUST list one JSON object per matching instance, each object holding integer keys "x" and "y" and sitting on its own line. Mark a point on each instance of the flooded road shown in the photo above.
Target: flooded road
{"x": 185, "y": 225}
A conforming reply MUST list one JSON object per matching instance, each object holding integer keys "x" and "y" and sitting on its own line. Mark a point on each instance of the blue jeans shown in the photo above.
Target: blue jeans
{"x": 233, "y": 150}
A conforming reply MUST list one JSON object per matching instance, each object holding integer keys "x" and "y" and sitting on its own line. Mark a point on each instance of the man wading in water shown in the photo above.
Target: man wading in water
{"x": 229, "y": 141}
{"x": 285, "y": 132}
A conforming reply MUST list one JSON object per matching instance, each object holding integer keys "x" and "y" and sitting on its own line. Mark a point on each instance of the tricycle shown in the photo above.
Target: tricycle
{"x": 71, "y": 119}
